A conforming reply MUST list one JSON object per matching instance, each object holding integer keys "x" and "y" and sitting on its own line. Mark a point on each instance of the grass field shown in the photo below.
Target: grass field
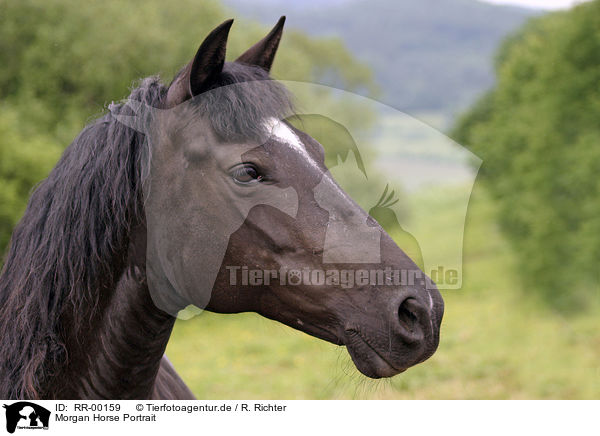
{"x": 497, "y": 342}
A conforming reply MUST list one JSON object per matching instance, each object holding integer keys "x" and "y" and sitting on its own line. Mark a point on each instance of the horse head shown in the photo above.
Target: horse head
{"x": 242, "y": 214}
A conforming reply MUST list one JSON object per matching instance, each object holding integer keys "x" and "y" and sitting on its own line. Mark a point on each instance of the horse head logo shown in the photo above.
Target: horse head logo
{"x": 29, "y": 415}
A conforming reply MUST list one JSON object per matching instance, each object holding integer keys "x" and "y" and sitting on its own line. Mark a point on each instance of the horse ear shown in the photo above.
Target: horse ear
{"x": 263, "y": 52}
{"x": 206, "y": 66}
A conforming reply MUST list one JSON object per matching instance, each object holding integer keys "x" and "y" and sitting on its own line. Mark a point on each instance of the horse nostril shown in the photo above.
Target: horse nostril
{"x": 408, "y": 314}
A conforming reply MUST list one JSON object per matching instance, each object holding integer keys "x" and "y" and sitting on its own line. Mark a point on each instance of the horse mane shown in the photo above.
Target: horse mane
{"x": 70, "y": 247}
{"x": 63, "y": 250}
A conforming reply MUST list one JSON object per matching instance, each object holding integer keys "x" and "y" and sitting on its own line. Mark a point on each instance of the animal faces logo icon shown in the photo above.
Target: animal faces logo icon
{"x": 26, "y": 415}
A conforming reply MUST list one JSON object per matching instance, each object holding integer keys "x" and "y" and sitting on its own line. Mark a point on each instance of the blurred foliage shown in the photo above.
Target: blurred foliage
{"x": 24, "y": 161}
{"x": 73, "y": 57}
{"x": 62, "y": 61}
{"x": 538, "y": 133}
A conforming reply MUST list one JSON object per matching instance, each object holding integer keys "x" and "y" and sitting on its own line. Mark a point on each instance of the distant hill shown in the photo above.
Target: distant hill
{"x": 428, "y": 55}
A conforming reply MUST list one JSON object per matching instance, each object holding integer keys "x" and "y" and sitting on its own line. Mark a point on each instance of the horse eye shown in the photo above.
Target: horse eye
{"x": 246, "y": 175}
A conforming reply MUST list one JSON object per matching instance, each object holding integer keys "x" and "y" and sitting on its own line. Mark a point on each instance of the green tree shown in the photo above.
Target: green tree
{"x": 62, "y": 60}
{"x": 538, "y": 133}
{"x": 24, "y": 161}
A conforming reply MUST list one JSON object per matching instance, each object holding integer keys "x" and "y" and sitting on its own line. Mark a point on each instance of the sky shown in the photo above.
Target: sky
{"x": 538, "y": 4}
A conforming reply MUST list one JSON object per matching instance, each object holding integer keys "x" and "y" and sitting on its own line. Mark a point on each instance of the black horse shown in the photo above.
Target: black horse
{"x": 100, "y": 263}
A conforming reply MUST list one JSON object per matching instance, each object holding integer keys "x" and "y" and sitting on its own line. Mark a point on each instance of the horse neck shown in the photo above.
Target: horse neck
{"x": 119, "y": 356}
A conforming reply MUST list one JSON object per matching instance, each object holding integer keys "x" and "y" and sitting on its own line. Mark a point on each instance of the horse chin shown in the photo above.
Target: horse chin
{"x": 367, "y": 360}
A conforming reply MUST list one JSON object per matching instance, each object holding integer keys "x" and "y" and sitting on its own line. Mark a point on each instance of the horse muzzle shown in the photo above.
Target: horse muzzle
{"x": 406, "y": 335}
